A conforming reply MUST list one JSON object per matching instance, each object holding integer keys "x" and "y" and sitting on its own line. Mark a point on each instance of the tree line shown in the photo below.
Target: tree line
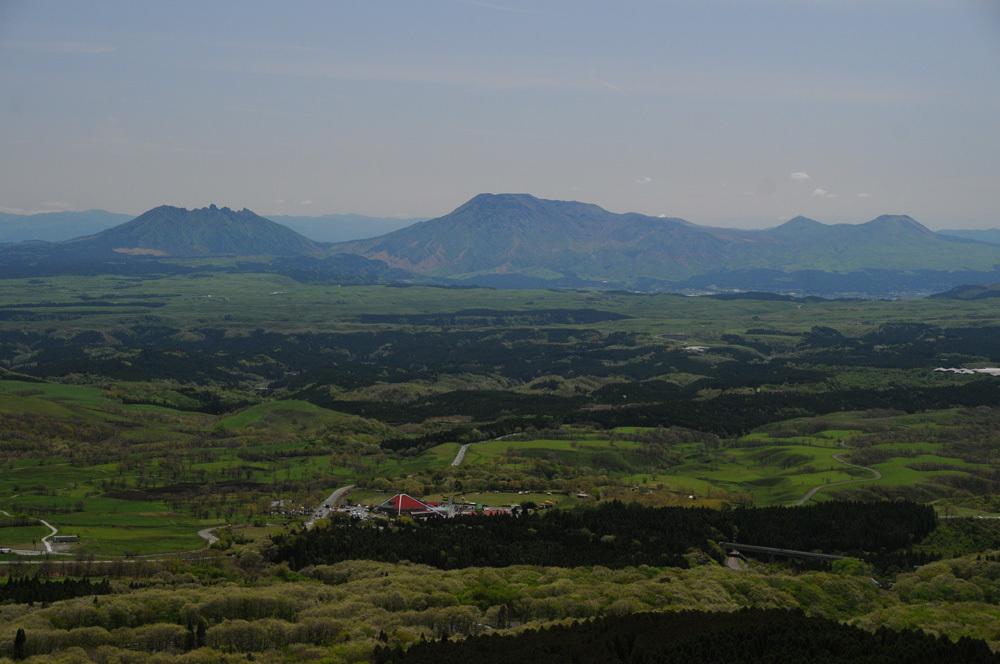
{"x": 612, "y": 535}
{"x": 748, "y": 636}
{"x": 27, "y": 590}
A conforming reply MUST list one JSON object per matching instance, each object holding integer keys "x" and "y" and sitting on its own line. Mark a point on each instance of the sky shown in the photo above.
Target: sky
{"x": 737, "y": 113}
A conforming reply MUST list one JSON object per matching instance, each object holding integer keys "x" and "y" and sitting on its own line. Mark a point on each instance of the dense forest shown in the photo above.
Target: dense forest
{"x": 750, "y": 636}
{"x": 612, "y": 535}
{"x": 26, "y": 590}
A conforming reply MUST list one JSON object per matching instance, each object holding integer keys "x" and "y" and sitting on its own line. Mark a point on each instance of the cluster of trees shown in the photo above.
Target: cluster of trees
{"x": 963, "y": 579}
{"x": 15, "y": 521}
{"x": 613, "y": 535}
{"x": 151, "y": 352}
{"x": 335, "y": 612}
{"x": 958, "y": 537}
{"x": 737, "y": 412}
{"x": 749, "y": 636}
{"x": 26, "y": 590}
{"x": 32, "y": 435}
{"x": 834, "y": 526}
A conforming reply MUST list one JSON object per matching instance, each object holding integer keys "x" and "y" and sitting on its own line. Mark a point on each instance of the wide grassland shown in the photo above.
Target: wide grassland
{"x": 244, "y": 302}
{"x": 79, "y": 394}
{"x": 23, "y": 537}
{"x": 79, "y": 442}
{"x": 299, "y": 413}
{"x": 777, "y": 464}
{"x": 761, "y": 467}
{"x": 136, "y": 533}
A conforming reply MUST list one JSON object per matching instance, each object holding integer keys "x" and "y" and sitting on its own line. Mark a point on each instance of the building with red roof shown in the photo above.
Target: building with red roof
{"x": 403, "y": 503}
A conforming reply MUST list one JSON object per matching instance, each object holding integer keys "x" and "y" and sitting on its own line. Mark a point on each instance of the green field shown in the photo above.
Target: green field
{"x": 775, "y": 465}
{"x": 142, "y": 422}
{"x": 23, "y": 537}
{"x": 246, "y": 302}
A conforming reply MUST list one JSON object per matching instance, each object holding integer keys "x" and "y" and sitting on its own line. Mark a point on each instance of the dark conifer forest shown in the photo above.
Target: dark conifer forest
{"x": 750, "y": 636}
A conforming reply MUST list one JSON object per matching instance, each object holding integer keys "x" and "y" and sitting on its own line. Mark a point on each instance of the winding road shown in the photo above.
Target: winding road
{"x": 208, "y": 535}
{"x": 838, "y": 457}
{"x": 45, "y": 540}
{"x": 320, "y": 511}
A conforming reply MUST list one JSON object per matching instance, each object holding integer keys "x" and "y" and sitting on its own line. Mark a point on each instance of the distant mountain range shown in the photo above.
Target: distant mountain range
{"x": 152, "y": 243}
{"x": 519, "y": 241}
{"x": 59, "y": 226}
{"x": 517, "y": 238}
{"x": 991, "y": 235}
{"x": 56, "y": 226}
{"x": 342, "y": 227}
{"x": 210, "y": 231}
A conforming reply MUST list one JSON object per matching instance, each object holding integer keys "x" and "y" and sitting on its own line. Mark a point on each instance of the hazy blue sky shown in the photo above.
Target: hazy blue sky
{"x": 728, "y": 112}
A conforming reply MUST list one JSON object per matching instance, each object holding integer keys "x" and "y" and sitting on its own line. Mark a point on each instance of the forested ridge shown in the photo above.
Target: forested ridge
{"x": 612, "y": 534}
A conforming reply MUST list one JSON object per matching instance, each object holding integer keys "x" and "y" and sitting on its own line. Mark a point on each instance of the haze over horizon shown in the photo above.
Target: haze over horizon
{"x": 729, "y": 113}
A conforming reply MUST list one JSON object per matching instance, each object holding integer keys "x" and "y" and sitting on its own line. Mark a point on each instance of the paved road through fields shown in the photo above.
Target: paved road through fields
{"x": 45, "y": 540}
{"x": 461, "y": 455}
{"x": 838, "y": 457}
{"x": 461, "y": 451}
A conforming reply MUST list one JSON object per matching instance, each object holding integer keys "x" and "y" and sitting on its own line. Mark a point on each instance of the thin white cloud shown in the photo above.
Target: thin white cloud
{"x": 406, "y": 73}
{"x": 46, "y": 207}
{"x": 645, "y": 180}
{"x": 823, "y": 193}
{"x": 864, "y": 194}
{"x": 607, "y": 84}
{"x": 499, "y": 8}
{"x": 279, "y": 201}
{"x": 74, "y": 48}
{"x": 729, "y": 83}
{"x": 305, "y": 202}
{"x": 800, "y": 176}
